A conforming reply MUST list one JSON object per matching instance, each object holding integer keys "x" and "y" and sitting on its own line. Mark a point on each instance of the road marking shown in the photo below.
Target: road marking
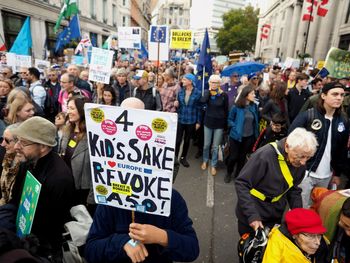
{"x": 210, "y": 190}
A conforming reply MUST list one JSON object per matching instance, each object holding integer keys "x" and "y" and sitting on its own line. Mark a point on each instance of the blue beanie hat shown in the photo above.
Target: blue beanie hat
{"x": 191, "y": 77}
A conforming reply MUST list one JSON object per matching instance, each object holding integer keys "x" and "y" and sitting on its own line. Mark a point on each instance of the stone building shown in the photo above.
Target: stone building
{"x": 292, "y": 35}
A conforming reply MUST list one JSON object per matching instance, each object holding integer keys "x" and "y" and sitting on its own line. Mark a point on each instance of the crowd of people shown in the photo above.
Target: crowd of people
{"x": 280, "y": 139}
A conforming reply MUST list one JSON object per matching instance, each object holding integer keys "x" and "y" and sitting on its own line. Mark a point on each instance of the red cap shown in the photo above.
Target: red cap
{"x": 300, "y": 220}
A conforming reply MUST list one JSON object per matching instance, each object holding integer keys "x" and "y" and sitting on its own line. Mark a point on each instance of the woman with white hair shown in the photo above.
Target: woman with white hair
{"x": 215, "y": 120}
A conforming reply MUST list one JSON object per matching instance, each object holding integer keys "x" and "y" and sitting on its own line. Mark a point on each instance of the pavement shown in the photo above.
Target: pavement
{"x": 211, "y": 204}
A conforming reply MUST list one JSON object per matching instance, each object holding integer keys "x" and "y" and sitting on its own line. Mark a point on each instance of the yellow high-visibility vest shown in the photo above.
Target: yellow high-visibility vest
{"x": 286, "y": 174}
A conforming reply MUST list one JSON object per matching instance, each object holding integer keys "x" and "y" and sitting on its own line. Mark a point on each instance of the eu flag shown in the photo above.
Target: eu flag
{"x": 158, "y": 34}
{"x": 23, "y": 42}
{"x": 144, "y": 52}
{"x": 69, "y": 33}
{"x": 204, "y": 64}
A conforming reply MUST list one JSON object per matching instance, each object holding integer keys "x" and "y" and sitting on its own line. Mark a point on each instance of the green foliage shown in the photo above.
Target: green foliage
{"x": 239, "y": 30}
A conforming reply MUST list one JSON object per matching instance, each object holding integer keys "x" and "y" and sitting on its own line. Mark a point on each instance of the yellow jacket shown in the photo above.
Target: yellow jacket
{"x": 281, "y": 250}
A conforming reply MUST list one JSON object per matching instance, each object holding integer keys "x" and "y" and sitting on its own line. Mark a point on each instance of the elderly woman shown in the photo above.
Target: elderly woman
{"x": 300, "y": 239}
{"x": 215, "y": 120}
{"x": 10, "y": 164}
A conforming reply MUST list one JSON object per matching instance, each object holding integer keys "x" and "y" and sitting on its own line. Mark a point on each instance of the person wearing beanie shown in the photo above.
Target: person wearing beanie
{"x": 298, "y": 239}
{"x": 36, "y": 138}
{"x": 331, "y": 128}
{"x": 189, "y": 115}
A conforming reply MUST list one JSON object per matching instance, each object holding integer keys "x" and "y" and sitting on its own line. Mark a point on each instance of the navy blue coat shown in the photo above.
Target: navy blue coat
{"x": 110, "y": 228}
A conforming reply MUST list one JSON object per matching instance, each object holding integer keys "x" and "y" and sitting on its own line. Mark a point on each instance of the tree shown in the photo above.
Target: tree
{"x": 239, "y": 30}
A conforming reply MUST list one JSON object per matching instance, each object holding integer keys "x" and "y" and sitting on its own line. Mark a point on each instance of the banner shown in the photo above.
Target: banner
{"x": 132, "y": 156}
{"x": 27, "y": 205}
{"x": 158, "y": 38}
{"x": 338, "y": 63}
{"x": 129, "y": 37}
{"x": 41, "y": 65}
{"x": 100, "y": 65}
{"x": 181, "y": 39}
{"x": 292, "y": 63}
{"x": 18, "y": 61}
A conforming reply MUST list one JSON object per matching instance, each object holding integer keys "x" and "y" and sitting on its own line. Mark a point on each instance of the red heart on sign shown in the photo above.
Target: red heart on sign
{"x": 111, "y": 163}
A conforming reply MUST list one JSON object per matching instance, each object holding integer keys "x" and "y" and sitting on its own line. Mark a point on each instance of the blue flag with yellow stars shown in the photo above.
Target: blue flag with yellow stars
{"x": 158, "y": 34}
{"x": 204, "y": 64}
{"x": 69, "y": 33}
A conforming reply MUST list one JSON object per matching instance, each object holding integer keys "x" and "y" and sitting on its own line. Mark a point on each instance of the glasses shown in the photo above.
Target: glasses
{"x": 24, "y": 144}
{"x": 7, "y": 141}
{"x": 255, "y": 78}
{"x": 312, "y": 237}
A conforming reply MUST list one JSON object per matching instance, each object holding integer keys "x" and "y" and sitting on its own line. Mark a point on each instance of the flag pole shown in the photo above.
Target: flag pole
{"x": 158, "y": 41}
{"x": 203, "y": 80}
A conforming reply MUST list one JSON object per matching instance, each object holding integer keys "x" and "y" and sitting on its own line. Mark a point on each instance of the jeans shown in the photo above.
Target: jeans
{"x": 188, "y": 130}
{"x": 208, "y": 135}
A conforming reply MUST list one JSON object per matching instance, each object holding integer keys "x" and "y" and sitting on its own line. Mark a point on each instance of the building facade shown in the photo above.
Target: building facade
{"x": 291, "y": 34}
{"x": 98, "y": 19}
{"x": 175, "y": 14}
{"x": 141, "y": 16}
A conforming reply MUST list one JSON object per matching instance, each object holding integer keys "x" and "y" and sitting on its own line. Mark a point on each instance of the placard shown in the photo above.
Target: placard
{"x": 41, "y": 65}
{"x": 132, "y": 156}
{"x": 181, "y": 39}
{"x": 27, "y": 206}
{"x": 338, "y": 63}
{"x": 100, "y": 65}
{"x": 129, "y": 37}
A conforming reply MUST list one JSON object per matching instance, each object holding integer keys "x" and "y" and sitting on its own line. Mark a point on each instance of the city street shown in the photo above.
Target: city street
{"x": 211, "y": 205}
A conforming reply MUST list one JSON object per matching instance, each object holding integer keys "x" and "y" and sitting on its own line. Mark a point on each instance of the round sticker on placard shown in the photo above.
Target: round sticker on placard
{"x": 159, "y": 125}
{"x": 97, "y": 115}
{"x": 101, "y": 189}
{"x": 109, "y": 127}
{"x": 143, "y": 132}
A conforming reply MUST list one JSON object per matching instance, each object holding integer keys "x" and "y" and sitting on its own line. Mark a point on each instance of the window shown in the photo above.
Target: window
{"x": 51, "y": 37}
{"x": 124, "y": 21}
{"x": 114, "y": 15}
{"x": 93, "y": 39}
{"x": 12, "y": 25}
{"x": 93, "y": 9}
{"x": 104, "y": 11}
{"x": 104, "y": 38}
{"x": 124, "y": 2}
{"x": 344, "y": 42}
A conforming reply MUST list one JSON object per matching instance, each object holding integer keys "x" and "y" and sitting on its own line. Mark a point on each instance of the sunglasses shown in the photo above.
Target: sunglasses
{"x": 7, "y": 141}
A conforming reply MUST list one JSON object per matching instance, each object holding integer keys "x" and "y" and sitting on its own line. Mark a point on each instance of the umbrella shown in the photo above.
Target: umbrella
{"x": 242, "y": 68}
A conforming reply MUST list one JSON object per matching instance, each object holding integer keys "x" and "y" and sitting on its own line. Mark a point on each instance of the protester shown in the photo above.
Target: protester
{"x": 10, "y": 164}
{"x": 332, "y": 132}
{"x": 76, "y": 155}
{"x": 169, "y": 91}
{"x": 109, "y": 96}
{"x": 20, "y": 109}
{"x": 147, "y": 92}
{"x": 123, "y": 88}
{"x": 189, "y": 115}
{"x": 231, "y": 88}
{"x": 37, "y": 91}
{"x": 60, "y": 123}
{"x": 299, "y": 239}
{"x": 270, "y": 180}
{"x": 6, "y": 86}
{"x": 36, "y": 138}
{"x": 53, "y": 90}
{"x": 79, "y": 83}
{"x": 291, "y": 75}
{"x": 23, "y": 80}
{"x": 158, "y": 238}
{"x": 215, "y": 121}
{"x": 297, "y": 96}
{"x": 243, "y": 131}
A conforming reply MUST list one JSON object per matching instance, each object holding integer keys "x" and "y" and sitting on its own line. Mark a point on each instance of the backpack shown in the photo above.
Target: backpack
{"x": 154, "y": 92}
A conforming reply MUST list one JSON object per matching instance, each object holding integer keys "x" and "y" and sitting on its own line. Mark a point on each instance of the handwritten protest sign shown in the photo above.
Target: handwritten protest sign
{"x": 100, "y": 65}
{"x": 132, "y": 157}
{"x": 28, "y": 204}
{"x": 18, "y": 61}
{"x": 42, "y": 65}
{"x": 129, "y": 37}
{"x": 338, "y": 63}
{"x": 181, "y": 39}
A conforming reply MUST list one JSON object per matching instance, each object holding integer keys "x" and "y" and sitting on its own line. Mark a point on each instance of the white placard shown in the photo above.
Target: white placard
{"x": 132, "y": 156}
{"x": 100, "y": 65}
{"x": 129, "y": 37}
{"x": 158, "y": 38}
{"x": 42, "y": 65}
{"x": 18, "y": 61}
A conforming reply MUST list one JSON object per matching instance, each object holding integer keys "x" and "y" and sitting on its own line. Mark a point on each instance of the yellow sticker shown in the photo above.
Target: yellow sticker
{"x": 72, "y": 144}
{"x": 97, "y": 115}
{"x": 159, "y": 125}
{"x": 101, "y": 189}
{"x": 124, "y": 189}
